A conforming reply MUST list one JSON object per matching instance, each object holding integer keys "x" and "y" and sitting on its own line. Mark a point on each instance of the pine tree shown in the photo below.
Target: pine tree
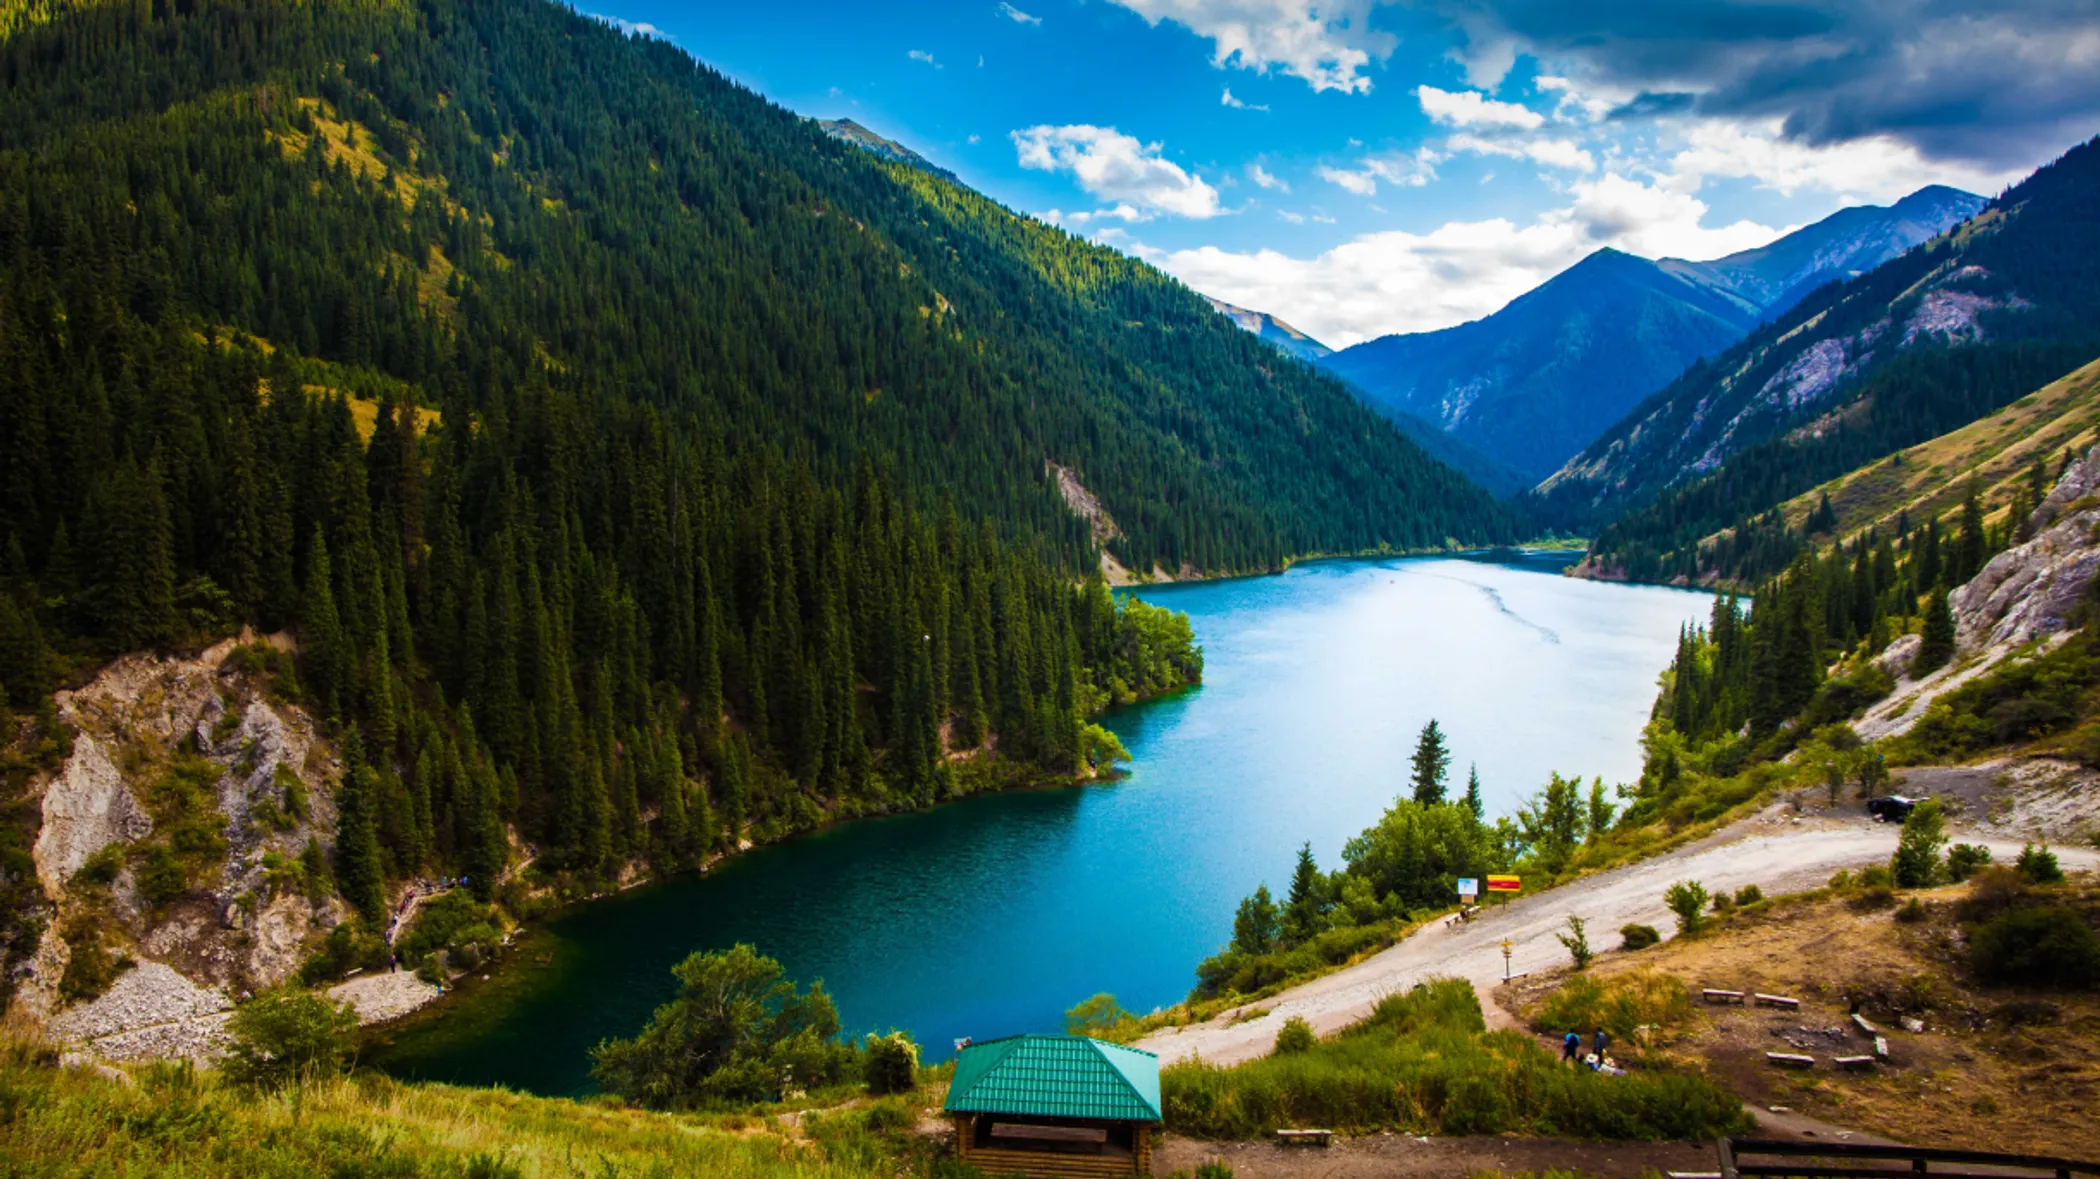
{"x": 359, "y": 873}
{"x": 1304, "y": 909}
{"x": 1431, "y": 761}
{"x": 1254, "y": 926}
{"x": 1937, "y": 646}
{"x": 1474, "y": 802}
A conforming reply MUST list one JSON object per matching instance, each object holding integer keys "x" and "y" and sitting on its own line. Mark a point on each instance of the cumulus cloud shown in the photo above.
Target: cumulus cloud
{"x": 1397, "y": 281}
{"x": 2002, "y": 85}
{"x": 1238, "y": 105}
{"x": 1470, "y": 108}
{"x": 1016, "y": 15}
{"x": 1327, "y": 45}
{"x": 922, "y": 55}
{"x": 1112, "y": 166}
{"x": 1360, "y": 183}
{"x": 1878, "y": 168}
{"x": 1263, "y": 178}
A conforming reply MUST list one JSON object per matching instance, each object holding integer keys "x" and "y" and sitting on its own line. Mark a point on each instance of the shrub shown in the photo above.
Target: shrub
{"x": 2046, "y": 947}
{"x": 456, "y": 924}
{"x": 1916, "y": 863}
{"x": 1913, "y": 912}
{"x": 1993, "y": 891}
{"x": 890, "y": 1064}
{"x": 1965, "y": 859}
{"x": 1723, "y": 904}
{"x": 350, "y": 946}
{"x": 1425, "y": 1063}
{"x": 1097, "y": 1017}
{"x": 1687, "y": 899}
{"x": 2037, "y": 865}
{"x": 1619, "y": 1005}
{"x": 1749, "y": 894}
{"x": 1637, "y": 937}
{"x": 1577, "y": 941}
{"x": 1875, "y": 876}
{"x": 1296, "y": 1035}
{"x": 1880, "y": 896}
{"x": 286, "y": 1037}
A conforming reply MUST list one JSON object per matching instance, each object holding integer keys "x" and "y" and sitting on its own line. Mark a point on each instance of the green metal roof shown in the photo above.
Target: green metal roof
{"x": 1056, "y": 1077}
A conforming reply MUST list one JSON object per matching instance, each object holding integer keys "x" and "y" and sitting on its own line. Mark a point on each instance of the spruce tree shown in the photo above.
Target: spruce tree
{"x": 1431, "y": 761}
{"x": 1937, "y": 645}
{"x": 360, "y": 875}
{"x": 1474, "y": 801}
{"x": 1254, "y": 926}
{"x": 1303, "y": 911}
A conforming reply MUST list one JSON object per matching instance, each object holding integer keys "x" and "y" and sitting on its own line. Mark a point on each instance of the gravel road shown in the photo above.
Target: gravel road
{"x": 1771, "y": 850}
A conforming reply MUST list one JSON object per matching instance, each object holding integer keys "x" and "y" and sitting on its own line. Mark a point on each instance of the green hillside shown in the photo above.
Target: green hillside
{"x": 641, "y": 468}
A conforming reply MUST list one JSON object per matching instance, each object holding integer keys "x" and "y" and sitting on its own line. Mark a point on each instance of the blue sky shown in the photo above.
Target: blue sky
{"x": 1358, "y": 167}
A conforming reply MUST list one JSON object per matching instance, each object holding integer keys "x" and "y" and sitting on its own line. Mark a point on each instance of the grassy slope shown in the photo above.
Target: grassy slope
{"x": 176, "y": 1123}
{"x": 1929, "y": 479}
{"x": 1978, "y": 1076}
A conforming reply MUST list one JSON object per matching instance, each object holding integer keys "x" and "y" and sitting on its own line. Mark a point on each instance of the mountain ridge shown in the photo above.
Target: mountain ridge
{"x": 1539, "y": 379}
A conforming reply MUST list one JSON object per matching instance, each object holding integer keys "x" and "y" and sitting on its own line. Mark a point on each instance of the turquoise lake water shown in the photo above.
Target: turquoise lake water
{"x": 994, "y": 914}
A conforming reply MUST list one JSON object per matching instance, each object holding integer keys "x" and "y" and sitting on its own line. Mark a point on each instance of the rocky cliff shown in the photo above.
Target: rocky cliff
{"x": 183, "y": 847}
{"x": 2033, "y": 594}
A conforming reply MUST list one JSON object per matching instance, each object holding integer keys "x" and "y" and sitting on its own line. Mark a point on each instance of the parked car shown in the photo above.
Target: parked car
{"x": 1893, "y": 809}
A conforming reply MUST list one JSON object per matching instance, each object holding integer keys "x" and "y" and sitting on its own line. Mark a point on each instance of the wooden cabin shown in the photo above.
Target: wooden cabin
{"x": 1067, "y": 1107}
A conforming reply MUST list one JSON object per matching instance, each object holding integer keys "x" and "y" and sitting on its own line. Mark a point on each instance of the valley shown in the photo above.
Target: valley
{"x": 582, "y": 595}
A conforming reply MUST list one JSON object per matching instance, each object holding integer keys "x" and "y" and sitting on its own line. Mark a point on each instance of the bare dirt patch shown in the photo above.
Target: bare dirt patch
{"x": 1404, "y": 1156}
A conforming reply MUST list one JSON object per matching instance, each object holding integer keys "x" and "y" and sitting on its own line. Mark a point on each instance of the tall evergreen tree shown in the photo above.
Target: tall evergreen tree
{"x": 1432, "y": 760}
{"x": 1937, "y": 644}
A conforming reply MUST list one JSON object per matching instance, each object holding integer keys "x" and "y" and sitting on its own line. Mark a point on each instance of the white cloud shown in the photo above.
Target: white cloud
{"x": 1293, "y": 218}
{"x": 1116, "y": 167}
{"x": 1263, "y": 178}
{"x": 1469, "y": 108}
{"x": 1236, "y": 104}
{"x": 1554, "y": 153}
{"x": 1016, "y": 15}
{"x": 1880, "y": 168}
{"x": 1328, "y": 45}
{"x": 922, "y": 55}
{"x": 1360, "y": 183}
{"x": 971, "y": 140}
{"x": 1397, "y": 281}
{"x": 1404, "y": 171}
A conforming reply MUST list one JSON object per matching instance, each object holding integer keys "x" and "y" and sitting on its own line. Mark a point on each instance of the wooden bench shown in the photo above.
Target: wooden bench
{"x": 1713, "y": 996}
{"x": 1865, "y": 1029}
{"x": 1764, "y": 1000}
{"x": 1790, "y": 1060}
{"x": 1304, "y": 1137}
{"x": 1881, "y": 1047}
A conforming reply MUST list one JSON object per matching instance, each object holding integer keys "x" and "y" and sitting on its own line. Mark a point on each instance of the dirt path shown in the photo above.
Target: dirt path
{"x": 1404, "y": 1156}
{"x": 1776, "y": 853}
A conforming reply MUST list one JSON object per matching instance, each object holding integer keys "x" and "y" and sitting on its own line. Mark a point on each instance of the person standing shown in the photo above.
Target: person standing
{"x": 1602, "y": 1040}
{"x": 1571, "y": 1048}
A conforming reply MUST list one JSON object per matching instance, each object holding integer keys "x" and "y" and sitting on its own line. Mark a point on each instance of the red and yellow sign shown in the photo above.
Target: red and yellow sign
{"x": 1505, "y": 884}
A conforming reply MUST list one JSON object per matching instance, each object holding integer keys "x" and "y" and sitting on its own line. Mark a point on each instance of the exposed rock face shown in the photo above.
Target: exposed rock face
{"x": 2034, "y": 590}
{"x": 87, "y": 807}
{"x": 234, "y": 932}
{"x": 2027, "y": 594}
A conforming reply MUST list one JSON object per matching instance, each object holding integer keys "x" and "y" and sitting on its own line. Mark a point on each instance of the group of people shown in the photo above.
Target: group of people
{"x": 1597, "y": 1060}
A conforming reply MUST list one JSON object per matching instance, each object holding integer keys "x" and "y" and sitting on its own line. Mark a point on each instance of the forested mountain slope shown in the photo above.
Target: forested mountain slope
{"x": 640, "y": 469}
{"x": 1930, "y": 341}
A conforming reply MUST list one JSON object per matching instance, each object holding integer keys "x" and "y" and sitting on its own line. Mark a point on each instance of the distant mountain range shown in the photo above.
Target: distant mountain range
{"x": 888, "y": 149}
{"x": 1532, "y": 384}
{"x": 1924, "y": 344}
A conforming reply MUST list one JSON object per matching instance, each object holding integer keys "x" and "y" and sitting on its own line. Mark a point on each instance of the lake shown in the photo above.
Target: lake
{"x": 994, "y": 914}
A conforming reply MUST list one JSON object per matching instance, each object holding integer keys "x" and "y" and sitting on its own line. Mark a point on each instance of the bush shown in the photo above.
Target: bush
{"x": 1296, "y": 1035}
{"x": 1097, "y": 1017}
{"x": 1638, "y": 937}
{"x": 2037, "y": 865}
{"x": 890, "y": 1064}
{"x": 1965, "y": 859}
{"x": 1878, "y": 897}
{"x": 1916, "y": 863}
{"x": 2045, "y": 947}
{"x": 1619, "y": 1005}
{"x": 350, "y": 946}
{"x": 455, "y": 924}
{"x": 1875, "y": 876}
{"x": 1913, "y": 912}
{"x": 286, "y": 1037}
{"x": 1749, "y": 894}
{"x": 1687, "y": 899}
{"x": 1577, "y": 941}
{"x": 1425, "y": 1063}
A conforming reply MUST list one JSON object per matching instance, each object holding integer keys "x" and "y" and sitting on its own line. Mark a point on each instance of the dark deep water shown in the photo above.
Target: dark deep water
{"x": 994, "y": 914}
